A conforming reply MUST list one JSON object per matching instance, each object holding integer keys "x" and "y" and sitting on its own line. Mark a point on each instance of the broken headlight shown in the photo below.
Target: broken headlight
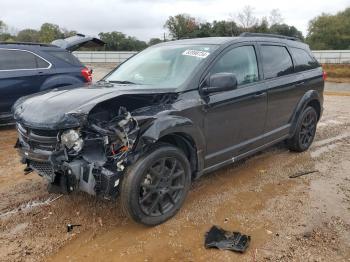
{"x": 72, "y": 140}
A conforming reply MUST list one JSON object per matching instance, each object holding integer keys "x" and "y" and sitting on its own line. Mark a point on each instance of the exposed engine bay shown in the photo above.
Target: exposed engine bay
{"x": 93, "y": 156}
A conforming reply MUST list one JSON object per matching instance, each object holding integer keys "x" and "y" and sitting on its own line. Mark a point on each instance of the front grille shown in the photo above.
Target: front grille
{"x": 43, "y": 169}
{"x": 38, "y": 139}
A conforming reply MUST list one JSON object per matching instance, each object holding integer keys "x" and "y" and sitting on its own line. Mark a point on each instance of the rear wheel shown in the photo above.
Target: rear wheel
{"x": 155, "y": 187}
{"x": 305, "y": 131}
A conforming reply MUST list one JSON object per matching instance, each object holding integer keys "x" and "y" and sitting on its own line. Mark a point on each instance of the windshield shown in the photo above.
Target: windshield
{"x": 162, "y": 66}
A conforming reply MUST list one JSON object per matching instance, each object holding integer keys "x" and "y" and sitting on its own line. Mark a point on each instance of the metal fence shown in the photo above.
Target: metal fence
{"x": 332, "y": 56}
{"x": 103, "y": 57}
{"x": 323, "y": 56}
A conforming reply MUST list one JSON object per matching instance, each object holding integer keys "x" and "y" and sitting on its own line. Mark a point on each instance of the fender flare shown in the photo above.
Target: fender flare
{"x": 177, "y": 125}
{"x": 311, "y": 95}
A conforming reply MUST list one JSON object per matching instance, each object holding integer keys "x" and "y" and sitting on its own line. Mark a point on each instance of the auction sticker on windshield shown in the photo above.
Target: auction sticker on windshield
{"x": 196, "y": 53}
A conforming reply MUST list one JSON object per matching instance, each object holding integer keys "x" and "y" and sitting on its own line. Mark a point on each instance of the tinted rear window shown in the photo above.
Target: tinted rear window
{"x": 303, "y": 60}
{"x": 276, "y": 61}
{"x": 20, "y": 59}
{"x": 66, "y": 57}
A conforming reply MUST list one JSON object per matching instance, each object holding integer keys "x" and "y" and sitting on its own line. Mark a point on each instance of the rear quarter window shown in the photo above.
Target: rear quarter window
{"x": 303, "y": 60}
{"x": 276, "y": 61}
{"x": 65, "y": 56}
{"x": 20, "y": 59}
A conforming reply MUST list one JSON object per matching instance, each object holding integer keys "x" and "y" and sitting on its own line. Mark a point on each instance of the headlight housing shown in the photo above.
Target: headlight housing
{"x": 72, "y": 140}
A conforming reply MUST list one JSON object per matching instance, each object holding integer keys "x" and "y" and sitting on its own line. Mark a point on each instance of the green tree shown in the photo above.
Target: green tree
{"x": 181, "y": 26}
{"x": 284, "y": 29}
{"x": 261, "y": 27}
{"x": 117, "y": 41}
{"x": 28, "y": 35}
{"x": 49, "y": 32}
{"x": 330, "y": 31}
{"x": 224, "y": 28}
{"x": 154, "y": 41}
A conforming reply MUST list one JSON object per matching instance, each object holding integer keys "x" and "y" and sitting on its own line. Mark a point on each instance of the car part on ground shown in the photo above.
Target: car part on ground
{"x": 71, "y": 226}
{"x": 222, "y": 239}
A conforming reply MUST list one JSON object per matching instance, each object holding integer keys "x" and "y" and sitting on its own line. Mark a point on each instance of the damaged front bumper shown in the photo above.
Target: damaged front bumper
{"x": 65, "y": 175}
{"x": 96, "y": 168}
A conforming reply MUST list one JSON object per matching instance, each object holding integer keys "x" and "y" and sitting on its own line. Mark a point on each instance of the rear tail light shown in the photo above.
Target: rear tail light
{"x": 87, "y": 74}
{"x": 324, "y": 75}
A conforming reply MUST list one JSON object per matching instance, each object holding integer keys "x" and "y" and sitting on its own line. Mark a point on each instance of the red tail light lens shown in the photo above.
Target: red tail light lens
{"x": 324, "y": 75}
{"x": 87, "y": 74}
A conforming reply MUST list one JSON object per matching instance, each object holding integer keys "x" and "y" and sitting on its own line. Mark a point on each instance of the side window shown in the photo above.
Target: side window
{"x": 41, "y": 63}
{"x": 17, "y": 59}
{"x": 303, "y": 60}
{"x": 241, "y": 61}
{"x": 276, "y": 61}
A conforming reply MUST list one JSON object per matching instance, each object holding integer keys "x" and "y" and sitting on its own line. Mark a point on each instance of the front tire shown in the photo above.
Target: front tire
{"x": 305, "y": 131}
{"x": 155, "y": 187}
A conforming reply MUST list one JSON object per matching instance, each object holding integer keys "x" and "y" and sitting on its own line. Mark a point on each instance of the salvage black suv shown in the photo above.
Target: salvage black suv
{"x": 170, "y": 114}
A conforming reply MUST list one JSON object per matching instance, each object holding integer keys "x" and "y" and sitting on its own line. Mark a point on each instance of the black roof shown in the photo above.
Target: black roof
{"x": 27, "y": 45}
{"x": 291, "y": 41}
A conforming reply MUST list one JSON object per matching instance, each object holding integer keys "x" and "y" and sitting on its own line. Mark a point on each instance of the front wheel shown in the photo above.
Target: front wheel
{"x": 155, "y": 187}
{"x": 305, "y": 131}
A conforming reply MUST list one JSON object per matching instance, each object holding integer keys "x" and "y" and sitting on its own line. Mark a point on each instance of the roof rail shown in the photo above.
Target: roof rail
{"x": 25, "y": 43}
{"x": 247, "y": 34}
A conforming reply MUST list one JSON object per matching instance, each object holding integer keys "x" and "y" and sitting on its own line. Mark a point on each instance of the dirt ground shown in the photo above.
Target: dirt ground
{"x": 289, "y": 219}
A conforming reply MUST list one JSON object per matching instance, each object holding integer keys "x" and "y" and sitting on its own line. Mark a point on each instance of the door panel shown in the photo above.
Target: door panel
{"x": 234, "y": 118}
{"x": 283, "y": 95}
{"x": 284, "y": 87}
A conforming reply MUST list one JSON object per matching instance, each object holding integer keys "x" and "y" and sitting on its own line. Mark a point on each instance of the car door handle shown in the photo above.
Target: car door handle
{"x": 300, "y": 83}
{"x": 259, "y": 94}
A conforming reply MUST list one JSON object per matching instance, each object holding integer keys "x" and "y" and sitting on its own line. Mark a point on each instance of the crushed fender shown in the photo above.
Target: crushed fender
{"x": 221, "y": 239}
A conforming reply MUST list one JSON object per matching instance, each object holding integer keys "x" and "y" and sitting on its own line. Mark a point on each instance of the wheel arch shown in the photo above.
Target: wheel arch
{"x": 310, "y": 98}
{"x": 186, "y": 144}
{"x": 180, "y": 132}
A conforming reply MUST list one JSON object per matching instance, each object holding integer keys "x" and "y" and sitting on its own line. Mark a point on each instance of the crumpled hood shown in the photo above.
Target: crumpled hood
{"x": 67, "y": 107}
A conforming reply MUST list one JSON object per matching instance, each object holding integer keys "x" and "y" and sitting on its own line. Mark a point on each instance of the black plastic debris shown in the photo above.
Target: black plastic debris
{"x": 70, "y": 227}
{"x": 221, "y": 239}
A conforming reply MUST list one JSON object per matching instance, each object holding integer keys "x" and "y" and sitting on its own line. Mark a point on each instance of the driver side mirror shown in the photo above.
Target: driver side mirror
{"x": 220, "y": 82}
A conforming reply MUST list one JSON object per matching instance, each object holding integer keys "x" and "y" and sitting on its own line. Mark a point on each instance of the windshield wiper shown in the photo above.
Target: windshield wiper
{"x": 123, "y": 82}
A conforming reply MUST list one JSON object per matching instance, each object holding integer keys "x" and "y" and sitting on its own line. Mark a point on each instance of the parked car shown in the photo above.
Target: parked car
{"x": 170, "y": 114}
{"x": 27, "y": 68}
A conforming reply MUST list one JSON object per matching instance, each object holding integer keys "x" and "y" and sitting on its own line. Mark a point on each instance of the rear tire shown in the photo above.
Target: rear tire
{"x": 155, "y": 187}
{"x": 305, "y": 131}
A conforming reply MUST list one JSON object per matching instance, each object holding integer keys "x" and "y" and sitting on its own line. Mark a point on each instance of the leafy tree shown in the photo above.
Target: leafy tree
{"x": 284, "y": 29}
{"x": 49, "y": 32}
{"x": 330, "y": 31}
{"x": 7, "y": 37}
{"x": 225, "y": 28}
{"x": 28, "y": 35}
{"x": 154, "y": 41}
{"x": 181, "y": 26}
{"x": 261, "y": 27}
{"x": 117, "y": 41}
